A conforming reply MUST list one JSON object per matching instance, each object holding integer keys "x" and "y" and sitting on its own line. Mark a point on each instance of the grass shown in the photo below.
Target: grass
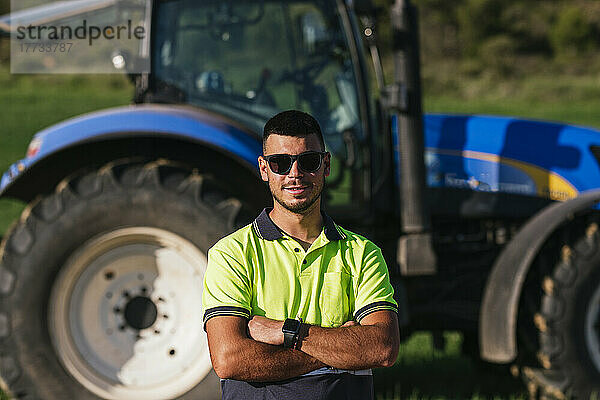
{"x": 31, "y": 103}
{"x": 424, "y": 373}
{"x": 539, "y": 89}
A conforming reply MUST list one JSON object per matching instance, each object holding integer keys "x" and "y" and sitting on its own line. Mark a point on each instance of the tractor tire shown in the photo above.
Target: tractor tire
{"x": 101, "y": 285}
{"x": 569, "y": 323}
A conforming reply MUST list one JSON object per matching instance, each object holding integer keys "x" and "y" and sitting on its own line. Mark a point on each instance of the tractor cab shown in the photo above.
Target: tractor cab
{"x": 247, "y": 61}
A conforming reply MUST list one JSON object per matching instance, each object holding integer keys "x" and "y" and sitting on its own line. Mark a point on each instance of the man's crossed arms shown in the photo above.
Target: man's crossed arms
{"x": 253, "y": 350}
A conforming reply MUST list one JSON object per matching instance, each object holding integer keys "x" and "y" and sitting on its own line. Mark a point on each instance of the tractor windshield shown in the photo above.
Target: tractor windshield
{"x": 249, "y": 60}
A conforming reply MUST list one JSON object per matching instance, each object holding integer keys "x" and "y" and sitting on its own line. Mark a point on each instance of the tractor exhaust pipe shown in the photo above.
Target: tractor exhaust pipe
{"x": 415, "y": 253}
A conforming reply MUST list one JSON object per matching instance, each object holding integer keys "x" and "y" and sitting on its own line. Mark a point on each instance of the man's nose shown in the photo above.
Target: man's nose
{"x": 295, "y": 170}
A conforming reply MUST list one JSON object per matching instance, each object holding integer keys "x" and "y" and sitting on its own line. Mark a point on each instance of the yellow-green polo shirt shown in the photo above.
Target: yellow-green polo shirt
{"x": 260, "y": 270}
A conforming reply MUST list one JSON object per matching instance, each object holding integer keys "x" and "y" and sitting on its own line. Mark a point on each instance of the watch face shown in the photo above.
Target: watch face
{"x": 290, "y": 325}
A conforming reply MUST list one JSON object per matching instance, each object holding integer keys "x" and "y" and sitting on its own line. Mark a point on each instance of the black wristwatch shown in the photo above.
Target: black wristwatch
{"x": 290, "y": 329}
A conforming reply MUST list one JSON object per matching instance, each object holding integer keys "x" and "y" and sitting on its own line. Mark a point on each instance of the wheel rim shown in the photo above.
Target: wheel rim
{"x": 125, "y": 315}
{"x": 592, "y": 328}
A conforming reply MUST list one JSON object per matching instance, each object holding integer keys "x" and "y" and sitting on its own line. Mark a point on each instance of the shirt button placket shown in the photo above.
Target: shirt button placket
{"x": 299, "y": 257}
{"x": 303, "y": 265}
{"x": 298, "y": 250}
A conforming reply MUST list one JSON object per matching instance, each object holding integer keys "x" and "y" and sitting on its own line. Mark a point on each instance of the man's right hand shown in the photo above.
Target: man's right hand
{"x": 266, "y": 330}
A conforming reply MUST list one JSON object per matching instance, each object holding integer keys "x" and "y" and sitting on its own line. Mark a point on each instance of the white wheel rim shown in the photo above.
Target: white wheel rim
{"x": 91, "y": 305}
{"x": 592, "y": 328}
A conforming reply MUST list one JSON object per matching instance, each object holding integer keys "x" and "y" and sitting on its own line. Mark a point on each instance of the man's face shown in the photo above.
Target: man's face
{"x": 298, "y": 190}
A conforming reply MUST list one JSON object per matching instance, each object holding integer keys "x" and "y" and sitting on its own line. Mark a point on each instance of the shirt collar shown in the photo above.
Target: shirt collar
{"x": 266, "y": 229}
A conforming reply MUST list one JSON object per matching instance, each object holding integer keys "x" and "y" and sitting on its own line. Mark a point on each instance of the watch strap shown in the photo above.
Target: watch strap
{"x": 302, "y": 334}
{"x": 290, "y": 337}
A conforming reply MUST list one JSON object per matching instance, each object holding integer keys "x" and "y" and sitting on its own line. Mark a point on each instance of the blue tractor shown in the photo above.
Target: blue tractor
{"x": 489, "y": 224}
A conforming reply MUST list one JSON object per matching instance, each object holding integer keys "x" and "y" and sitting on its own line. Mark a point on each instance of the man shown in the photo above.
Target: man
{"x": 297, "y": 307}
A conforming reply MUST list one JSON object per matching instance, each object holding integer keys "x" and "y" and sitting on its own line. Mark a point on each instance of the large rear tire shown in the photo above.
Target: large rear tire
{"x": 101, "y": 282}
{"x": 569, "y": 323}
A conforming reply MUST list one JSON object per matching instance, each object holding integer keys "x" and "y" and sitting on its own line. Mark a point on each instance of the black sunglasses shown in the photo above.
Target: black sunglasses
{"x": 309, "y": 161}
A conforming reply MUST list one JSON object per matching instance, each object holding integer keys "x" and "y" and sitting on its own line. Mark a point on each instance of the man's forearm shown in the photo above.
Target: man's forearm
{"x": 249, "y": 360}
{"x": 351, "y": 347}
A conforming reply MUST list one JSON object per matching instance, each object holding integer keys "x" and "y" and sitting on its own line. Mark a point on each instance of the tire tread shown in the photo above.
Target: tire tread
{"x": 557, "y": 380}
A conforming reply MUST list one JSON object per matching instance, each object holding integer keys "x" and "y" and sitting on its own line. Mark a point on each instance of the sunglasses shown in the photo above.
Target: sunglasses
{"x": 309, "y": 161}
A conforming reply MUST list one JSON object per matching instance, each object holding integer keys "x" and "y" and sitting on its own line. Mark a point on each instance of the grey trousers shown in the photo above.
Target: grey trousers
{"x": 314, "y": 387}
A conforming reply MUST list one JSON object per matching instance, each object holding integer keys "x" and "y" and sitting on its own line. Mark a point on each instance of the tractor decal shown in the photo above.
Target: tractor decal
{"x": 492, "y": 173}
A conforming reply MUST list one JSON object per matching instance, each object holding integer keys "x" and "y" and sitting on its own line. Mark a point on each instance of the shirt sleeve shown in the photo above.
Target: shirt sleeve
{"x": 374, "y": 290}
{"x": 227, "y": 289}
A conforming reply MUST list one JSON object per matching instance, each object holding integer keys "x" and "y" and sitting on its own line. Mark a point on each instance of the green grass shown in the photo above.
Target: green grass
{"x": 564, "y": 98}
{"x": 423, "y": 373}
{"x": 576, "y": 112}
{"x": 31, "y": 103}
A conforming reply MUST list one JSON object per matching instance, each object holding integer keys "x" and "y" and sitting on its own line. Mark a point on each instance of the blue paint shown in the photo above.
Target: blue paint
{"x": 166, "y": 121}
{"x": 456, "y": 145}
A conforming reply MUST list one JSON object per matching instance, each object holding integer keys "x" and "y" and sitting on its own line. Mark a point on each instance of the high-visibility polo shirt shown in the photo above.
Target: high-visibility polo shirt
{"x": 260, "y": 270}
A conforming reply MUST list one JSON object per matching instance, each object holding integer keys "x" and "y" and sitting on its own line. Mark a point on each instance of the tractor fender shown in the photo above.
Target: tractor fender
{"x": 152, "y": 131}
{"x": 499, "y": 308}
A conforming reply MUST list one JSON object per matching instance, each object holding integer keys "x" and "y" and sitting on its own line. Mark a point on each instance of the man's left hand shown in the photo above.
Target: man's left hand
{"x": 266, "y": 330}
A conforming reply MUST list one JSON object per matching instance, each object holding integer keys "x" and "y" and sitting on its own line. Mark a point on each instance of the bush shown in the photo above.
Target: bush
{"x": 478, "y": 20}
{"x": 572, "y": 33}
{"x": 498, "y": 54}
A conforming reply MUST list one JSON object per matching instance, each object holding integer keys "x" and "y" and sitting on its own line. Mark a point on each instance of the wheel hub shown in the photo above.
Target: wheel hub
{"x": 140, "y": 313}
{"x": 124, "y": 312}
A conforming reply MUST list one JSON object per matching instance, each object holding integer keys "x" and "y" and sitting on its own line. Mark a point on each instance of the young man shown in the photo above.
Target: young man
{"x": 297, "y": 307}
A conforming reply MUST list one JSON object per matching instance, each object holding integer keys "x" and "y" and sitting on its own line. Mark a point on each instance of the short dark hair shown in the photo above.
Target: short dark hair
{"x": 293, "y": 123}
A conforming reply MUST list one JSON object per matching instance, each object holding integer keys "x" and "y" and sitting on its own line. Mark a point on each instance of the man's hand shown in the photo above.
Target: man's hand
{"x": 371, "y": 343}
{"x": 266, "y": 330}
{"x": 236, "y": 356}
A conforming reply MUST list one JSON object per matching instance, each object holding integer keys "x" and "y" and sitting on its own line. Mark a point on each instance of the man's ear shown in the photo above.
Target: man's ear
{"x": 327, "y": 163}
{"x": 262, "y": 167}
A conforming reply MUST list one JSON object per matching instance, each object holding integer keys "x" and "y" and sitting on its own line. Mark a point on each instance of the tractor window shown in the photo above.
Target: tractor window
{"x": 249, "y": 60}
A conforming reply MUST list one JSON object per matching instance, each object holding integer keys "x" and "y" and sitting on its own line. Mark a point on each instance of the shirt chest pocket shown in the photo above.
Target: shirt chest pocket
{"x": 335, "y": 298}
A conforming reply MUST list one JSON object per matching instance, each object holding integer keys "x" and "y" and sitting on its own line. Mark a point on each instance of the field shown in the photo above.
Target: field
{"x": 28, "y": 104}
